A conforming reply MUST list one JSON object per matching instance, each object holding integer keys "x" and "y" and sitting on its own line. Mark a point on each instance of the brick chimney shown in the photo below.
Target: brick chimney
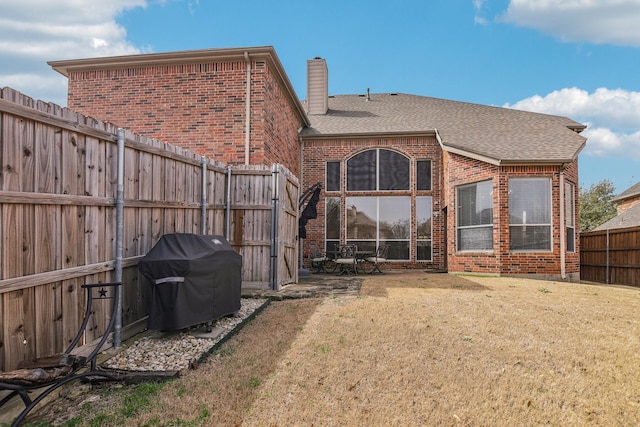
{"x": 317, "y": 86}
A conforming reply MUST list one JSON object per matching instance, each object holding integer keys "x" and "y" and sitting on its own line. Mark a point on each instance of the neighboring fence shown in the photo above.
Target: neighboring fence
{"x": 611, "y": 256}
{"x": 58, "y": 189}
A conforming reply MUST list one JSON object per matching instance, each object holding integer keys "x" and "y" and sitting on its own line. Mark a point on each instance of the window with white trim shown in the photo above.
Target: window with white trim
{"x": 475, "y": 216}
{"x": 332, "y": 222}
{"x": 570, "y": 215}
{"x": 372, "y": 221}
{"x": 424, "y": 211}
{"x": 378, "y": 170}
{"x": 530, "y": 214}
{"x": 423, "y": 175}
{"x": 332, "y": 176}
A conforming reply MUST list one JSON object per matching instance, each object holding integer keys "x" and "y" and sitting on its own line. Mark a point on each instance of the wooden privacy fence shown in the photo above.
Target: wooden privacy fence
{"x": 58, "y": 197}
{"x": 611, "y": 256}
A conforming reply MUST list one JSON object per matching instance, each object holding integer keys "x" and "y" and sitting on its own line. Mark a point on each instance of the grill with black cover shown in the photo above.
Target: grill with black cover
{"x": 194, "y": 279}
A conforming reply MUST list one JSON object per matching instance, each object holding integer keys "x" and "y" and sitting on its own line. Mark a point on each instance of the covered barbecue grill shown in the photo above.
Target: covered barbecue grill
{"x": 194, "y": 279}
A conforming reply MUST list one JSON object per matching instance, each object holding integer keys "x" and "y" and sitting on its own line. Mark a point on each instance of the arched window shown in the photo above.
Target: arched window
{"x": 378, "y": 170}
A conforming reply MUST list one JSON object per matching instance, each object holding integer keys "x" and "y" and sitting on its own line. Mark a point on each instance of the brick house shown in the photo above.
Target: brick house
{"x": 449, "y": 185}
{"x": 628, "y": 210}
{"x": 236, "y": 106}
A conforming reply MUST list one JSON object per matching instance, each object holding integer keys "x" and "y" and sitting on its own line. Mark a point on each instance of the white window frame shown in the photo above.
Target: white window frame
{"x": 548, "y": 225}
{"x": 570, "y": 215}
{"x": 430, "y": 239}
{"x": 471, "y": 227}
{"x": 378, "y": 238}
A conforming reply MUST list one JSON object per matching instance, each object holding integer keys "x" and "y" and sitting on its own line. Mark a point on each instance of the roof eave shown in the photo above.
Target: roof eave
{"x": 465, "y": 153}
{"x": 364, "y": 135}
{"x": 508, "y": 162}
{"x": 626, "y": 196}
{"x": 64, "y": 67}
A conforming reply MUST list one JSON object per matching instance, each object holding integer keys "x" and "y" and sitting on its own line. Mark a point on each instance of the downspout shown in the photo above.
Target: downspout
{"x": 301, "y": 183}
{"x": 247, "y": 130}
{"x": 203, "y": 208}
{"x": 563, "y": 230}
{"x": 227, "y": 224}
{"x": 117, "y": 332}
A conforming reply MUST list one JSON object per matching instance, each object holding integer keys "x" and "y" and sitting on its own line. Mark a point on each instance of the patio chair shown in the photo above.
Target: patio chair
{"x": 374, "y": 262}
{"x": 346, "y": 259}
{"x": 48, "y": 374}
{"x": 320, "y": 261}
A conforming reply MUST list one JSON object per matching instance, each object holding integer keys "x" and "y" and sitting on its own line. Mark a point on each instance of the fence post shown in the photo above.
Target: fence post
{"x": 275, "y": 184}
{"x": 117, "y": 333}
{"x": 227, "y": 223}
{"x": 203, "y": 207}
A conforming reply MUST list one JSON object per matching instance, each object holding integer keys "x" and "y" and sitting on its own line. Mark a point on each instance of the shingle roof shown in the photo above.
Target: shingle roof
{"x": 628, "y": 218}
{"x": 629, "y": 192}
{"x": 500, "y": 135}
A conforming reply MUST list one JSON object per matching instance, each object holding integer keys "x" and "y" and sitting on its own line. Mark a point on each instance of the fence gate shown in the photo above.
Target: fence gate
{"x": 285, "y": 248}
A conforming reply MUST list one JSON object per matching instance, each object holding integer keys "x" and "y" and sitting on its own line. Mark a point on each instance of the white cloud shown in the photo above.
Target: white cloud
{"x": 612, "y": 117}
{"x": 478, "y": 5}
{"x": 596, "y": 21}
{"x": 33, "y": 32}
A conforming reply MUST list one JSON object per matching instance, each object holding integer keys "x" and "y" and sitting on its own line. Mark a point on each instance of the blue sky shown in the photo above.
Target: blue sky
{"x": 576, "y": 58}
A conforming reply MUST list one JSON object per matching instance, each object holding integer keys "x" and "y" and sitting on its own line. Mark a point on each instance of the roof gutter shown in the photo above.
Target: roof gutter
{"x": 364, "y": 135}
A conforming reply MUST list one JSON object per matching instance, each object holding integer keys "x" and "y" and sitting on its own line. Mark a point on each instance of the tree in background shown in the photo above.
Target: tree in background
{"x": 596, "y": 206}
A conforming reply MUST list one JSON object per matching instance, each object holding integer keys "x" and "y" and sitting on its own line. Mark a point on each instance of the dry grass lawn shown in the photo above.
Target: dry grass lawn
{"x": 419, "y": 349}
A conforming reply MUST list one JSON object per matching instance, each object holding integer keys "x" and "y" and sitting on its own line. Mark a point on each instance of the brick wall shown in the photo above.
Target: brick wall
{"x": 461, "y": 170}
{"x": 625, "y": 204}
{"x": 201, "y": 107}
{"x": 279, "y": 126}
{"x": 317, "y": 152}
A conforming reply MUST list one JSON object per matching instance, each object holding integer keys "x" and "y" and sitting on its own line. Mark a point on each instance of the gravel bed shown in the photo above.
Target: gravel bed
{"x": 177, "y": 351}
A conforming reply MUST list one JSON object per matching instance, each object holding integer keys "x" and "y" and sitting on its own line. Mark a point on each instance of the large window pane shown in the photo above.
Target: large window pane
{"x": 530, "y": 214}
{"x": 475, "y": 204}
{"x": 378, "y": 169}
{"x": 530, "y": 201}
{"x": 362, "y": 218}
{"x": 393, "y": 171}
{"x": 475, "y": 216}
{"x": 395, "y": 217}
{"x": 361, "y": 171}
{"x": 375, "y": 220}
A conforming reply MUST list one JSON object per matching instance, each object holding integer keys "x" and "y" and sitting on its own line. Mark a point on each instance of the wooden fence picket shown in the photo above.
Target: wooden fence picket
{"x": 58, "y": 191}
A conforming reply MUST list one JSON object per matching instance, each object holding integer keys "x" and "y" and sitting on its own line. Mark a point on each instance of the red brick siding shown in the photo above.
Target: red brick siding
{"x": 280, "y": 127}
{"x": 201, "y": 107}
{"x": 317, "y": 152}
{"x": 501, "y": 260}
{"x": 625, "y": 204}
{"x": 463, "y": 170}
